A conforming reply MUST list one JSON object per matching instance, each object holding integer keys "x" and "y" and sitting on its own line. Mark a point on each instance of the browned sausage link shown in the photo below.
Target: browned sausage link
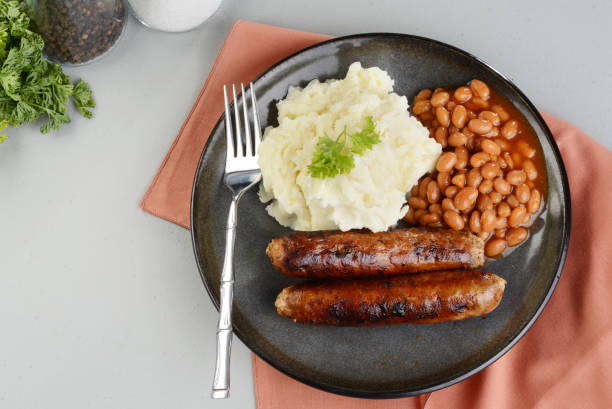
{"x": 358, "y": 254}
{"x": 415, "y": 299}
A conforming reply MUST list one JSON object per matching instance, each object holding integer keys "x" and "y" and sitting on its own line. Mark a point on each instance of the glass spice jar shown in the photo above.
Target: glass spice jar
{"x": 77, "y": 31}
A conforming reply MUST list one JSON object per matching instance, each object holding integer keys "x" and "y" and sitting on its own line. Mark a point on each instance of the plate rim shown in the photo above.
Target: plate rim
{"x": 560, "y": 259}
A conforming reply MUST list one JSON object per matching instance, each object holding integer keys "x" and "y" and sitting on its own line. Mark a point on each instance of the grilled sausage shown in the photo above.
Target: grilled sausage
{"x": 358, "y": 254}
{"x": 415, "y": 299}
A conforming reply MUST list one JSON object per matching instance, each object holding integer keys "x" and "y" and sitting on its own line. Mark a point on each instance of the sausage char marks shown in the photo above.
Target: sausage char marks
{"x": 417, "y": 299}
{"x": 358, "y": 254}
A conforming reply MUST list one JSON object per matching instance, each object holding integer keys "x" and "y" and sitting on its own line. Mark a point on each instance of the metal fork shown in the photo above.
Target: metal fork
{"x": 241, "y": 173}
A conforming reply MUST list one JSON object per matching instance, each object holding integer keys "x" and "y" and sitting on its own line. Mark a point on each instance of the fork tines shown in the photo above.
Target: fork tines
{"x": 237, "y": 146}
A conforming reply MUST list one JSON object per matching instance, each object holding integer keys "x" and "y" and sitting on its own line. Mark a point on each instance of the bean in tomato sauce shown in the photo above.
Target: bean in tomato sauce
{"x": 491, "y": 176}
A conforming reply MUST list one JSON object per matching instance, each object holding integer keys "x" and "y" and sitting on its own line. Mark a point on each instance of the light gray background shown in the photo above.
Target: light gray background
{"x": 101, "y": 305}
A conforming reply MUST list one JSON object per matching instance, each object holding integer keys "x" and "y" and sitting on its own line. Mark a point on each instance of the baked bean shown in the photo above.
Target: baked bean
{"x": 479, "y": 103}
{"x": 462, "y": 94}
{"x": 503, "y": 144}
{"x": 526, "y": 218}
{"x": 409, "y": 217}
{"x": 495, "y": 247}
{"x": 462, "y": 155}
{"x": 508, "y": 159}
{"x": 499, "y": 233}
{"x": 530, "y": 184}
{"x": 438, "y": 90}
{"x": 522, "y": 193}
{"x": 458, "y": 180}
{"x": 474, "y": 222}
{"x": 467, "y": 211}
{"x": 490, "y": 147}
{"x": 419, "y": 213}
{"x": 530, "y": 169}
{"x": 516, "y": 177}
{"x": 423, "y": 95}
{"x": 491, "y": 117}
{"x": 526, "y": 149}
{"x": 446, "y": 162}
{"x": 493, "y": 133}
{"x": 429, "y": 218}
{"x": 533, "y": 205}
{"x": 421, "y": 107}
{"x": 473, "y": 177}
{"x": 502, "y": 186}
{"x": 503, "y": 209}
{"x": 440, "y": 136}
{"x": 450, "y": 105}
{"x": 435, "y": 208}
{"x": 484, "y": 202}
{"x": 440, "y": 99}
{"x": 501, "y": 222}
{"x": 443, "y": 116}
{"x": 447, "y": 204}
{"x": 489, "y": 170}
{"x": 487, "y": 220}
{"x": 465, "y": 198}
{"x": 496, "y": 197}
{"x": 516, "y": 216}
{"x": 510, "y": 129}
{"x": 433, "y": 192}
{"x": 516, "y": 236}
{"x": 471, "y": 114}
{"x": 485, "y": 186}
{"x": 479, "y": 126}
{"x": 415, "y": 190}
{"x": 426, "y": 116}
{"x": 512, "y": 201}
{"x": 453, "y": 220}
{"x": 457, "y": 139}
{"x": 478, "y": 159}
{"x": 459, "y": 117}
{"x": 451, "y": 191}
{"x": 443, "y": 179}
{"x": 471, "y": 142}
{"x": 423, "y": 187}
{"x": 502, "y": 163}
{"x": 480, "y": 89}
{"x": 499, "y": 110}
{"x": 417, "y": 203}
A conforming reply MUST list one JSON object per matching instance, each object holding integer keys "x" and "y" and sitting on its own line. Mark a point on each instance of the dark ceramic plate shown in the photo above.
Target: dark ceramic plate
{"x": 383, "y": 361}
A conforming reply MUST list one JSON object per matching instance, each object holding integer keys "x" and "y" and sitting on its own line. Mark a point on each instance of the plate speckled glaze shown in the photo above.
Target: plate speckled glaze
{"x": 383, "y": 361}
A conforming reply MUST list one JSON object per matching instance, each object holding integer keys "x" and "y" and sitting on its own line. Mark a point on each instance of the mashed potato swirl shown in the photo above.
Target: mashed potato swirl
{"x": 372, "y": 195}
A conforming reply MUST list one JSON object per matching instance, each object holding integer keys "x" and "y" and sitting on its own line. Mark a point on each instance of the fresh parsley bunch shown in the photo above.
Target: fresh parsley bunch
{"x": 30, "y": 85}
{"x": 336, "y": 156}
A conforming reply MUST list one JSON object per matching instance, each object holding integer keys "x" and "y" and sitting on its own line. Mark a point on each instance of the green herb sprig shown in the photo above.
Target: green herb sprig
{"x": 32, "y": 87}
{"x": 336, "y": 156}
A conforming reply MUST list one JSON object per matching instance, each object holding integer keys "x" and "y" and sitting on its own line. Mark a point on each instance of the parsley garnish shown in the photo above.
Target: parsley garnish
{"x": 335, "y": 157}
{"x": 31, "y": 86}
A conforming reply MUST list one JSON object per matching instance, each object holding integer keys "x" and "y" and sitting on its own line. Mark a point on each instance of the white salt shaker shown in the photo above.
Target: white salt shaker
{"x": 173, "y": 15}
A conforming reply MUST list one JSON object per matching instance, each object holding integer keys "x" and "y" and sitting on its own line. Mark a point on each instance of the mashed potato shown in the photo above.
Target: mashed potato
{"x": 372, "y": 195}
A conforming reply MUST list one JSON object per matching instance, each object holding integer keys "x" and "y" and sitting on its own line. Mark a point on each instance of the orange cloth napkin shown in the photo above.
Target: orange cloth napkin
{"x": 564, "y": 361}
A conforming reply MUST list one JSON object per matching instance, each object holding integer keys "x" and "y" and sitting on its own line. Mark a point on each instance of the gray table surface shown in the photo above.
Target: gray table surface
{"x": 101, "y": 304}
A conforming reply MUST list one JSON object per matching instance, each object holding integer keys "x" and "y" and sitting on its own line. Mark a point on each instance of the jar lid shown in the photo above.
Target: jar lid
{"x": 173, "y": 15}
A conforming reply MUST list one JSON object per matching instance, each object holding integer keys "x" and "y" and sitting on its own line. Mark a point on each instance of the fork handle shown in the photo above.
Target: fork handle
{"x": 220, "y": 388}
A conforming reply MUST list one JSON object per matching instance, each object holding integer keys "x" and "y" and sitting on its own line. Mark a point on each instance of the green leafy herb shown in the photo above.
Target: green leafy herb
{"x": 32, "y": 87}
{"x": 336, "y": 156}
